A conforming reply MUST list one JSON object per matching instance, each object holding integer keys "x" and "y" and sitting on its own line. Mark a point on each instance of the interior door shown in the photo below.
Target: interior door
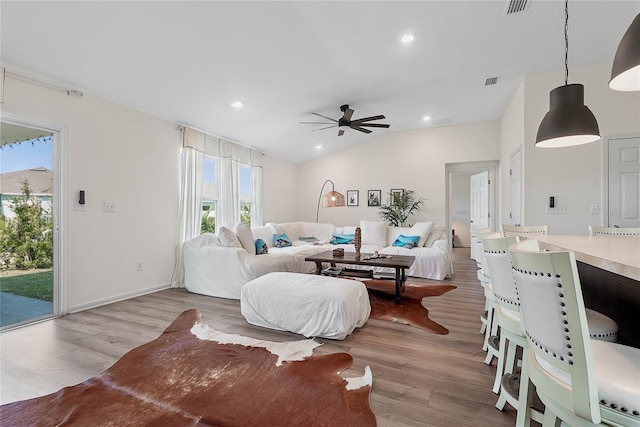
{"x": 624, "y": 182}
{"x": 479, "y": 204}
{"x": 515, "y": 170}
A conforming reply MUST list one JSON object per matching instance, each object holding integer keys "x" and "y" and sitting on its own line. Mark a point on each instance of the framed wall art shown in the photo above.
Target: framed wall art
{"x": 352, "y": 197}
{"x": 373, "y": 197}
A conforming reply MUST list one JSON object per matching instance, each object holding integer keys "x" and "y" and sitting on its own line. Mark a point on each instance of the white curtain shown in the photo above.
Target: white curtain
{"x": 256, "y": 187}
{"x": 228, "y": 211}
{"x": 190, "y": 208}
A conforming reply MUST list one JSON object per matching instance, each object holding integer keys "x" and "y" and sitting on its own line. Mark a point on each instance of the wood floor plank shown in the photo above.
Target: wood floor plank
{"x": 420, "y": 379}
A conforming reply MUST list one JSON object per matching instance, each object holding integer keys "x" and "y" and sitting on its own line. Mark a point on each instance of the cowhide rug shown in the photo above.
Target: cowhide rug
{"x": 193, "y": 375}
{"x": 409, "y": 310}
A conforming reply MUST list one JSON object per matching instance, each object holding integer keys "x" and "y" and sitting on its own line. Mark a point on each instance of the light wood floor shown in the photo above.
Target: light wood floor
{"x": 420, "y": 379}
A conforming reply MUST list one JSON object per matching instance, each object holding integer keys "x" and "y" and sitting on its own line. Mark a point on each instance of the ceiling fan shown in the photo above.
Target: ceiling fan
{"x": 357, "y": 124}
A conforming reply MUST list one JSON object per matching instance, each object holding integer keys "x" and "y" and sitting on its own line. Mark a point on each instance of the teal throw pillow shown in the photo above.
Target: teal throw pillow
{"x": 261, "y": 247}
{"x": 281, "y": 240}
{"x": 342, "y": 239}
{"x": 407, "y": 241}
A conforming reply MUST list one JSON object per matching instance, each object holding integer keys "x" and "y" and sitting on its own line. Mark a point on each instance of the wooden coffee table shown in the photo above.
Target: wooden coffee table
{"x": 398, "y": 262}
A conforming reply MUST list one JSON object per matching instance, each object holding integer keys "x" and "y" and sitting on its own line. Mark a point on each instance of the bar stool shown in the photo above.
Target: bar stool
{"x": 580, "y": 380}
{"x": 507, "y": 315}
{"x": 523, "y": 230}
{"x": 595, "y": 230}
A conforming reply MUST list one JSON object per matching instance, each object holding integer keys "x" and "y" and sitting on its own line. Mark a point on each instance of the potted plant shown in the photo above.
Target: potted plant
{"x": 401, "y": 206}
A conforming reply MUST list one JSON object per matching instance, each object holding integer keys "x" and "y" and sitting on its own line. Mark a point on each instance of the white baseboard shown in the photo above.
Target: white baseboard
{"x": 122, "y": 297}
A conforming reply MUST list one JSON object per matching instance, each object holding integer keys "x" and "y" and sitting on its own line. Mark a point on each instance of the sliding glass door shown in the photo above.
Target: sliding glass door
{"x": 27, "y": 285}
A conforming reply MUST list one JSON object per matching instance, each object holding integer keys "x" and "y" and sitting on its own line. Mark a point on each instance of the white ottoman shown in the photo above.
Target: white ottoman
{"x": 311, "y": 305}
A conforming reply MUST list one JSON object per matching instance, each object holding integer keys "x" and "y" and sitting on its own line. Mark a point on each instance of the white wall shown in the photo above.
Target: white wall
{"x": 511, "y": 137}
{"x": 413, "y": 160}
{"x": 573, "y": 174}
{"x": 461, "y": 208}
{"x": 114, "y": 154}
{"x": 280, "y": 190}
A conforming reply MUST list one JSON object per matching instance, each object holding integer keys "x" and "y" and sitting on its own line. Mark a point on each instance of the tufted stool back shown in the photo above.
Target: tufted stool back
{"x": 562, "y": 360}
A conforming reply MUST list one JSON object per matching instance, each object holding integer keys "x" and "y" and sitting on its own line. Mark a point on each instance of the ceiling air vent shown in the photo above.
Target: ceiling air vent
{"x": 516, "y": 6}
{"x": 442, "y": 121}
{"x": 491, "y": 81}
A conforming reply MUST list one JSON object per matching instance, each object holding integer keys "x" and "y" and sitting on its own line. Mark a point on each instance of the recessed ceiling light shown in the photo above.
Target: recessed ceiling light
{"x": 236, "y": 105}
{"x": 318, "y": 147}
{"x": 407, "y": 38}
{"x": 426, "y": 118}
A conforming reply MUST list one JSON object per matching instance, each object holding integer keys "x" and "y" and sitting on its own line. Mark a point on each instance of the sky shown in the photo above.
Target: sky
{"x": 27, "y": 155}
{"x": 209, "y": 171}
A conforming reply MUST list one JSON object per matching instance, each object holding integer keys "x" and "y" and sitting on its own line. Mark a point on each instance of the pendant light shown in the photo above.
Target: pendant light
{"x": 625, "y": 73}
{"x": 569, "y": 122}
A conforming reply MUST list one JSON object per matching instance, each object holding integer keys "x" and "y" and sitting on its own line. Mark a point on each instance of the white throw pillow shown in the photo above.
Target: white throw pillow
{"x": 394, "y": 232}
{"x": 265, "y": 233}
{"x": 291, "y": 229}
{"x": 422, "y": 229}
{"x": 374, "y": 233}
{"x": 243, "y": 230}
{"x": 348, "y": 229}
{"x": 436, "y": 233}
{"x": 228, "y": 238}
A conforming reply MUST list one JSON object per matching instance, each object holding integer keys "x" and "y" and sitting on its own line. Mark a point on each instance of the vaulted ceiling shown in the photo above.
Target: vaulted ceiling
{"x": 189, "y": 61}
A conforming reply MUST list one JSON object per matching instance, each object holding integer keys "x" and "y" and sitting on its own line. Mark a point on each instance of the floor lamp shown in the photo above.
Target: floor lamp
{"x": 332, "y": 199}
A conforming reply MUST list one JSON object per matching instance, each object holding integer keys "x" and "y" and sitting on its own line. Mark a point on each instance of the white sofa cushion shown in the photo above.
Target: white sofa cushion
{"x": 374, "y": 233}
{"x": 322, "y": 232}
{"x": 422, "y": 229}
{"x": 265, "y": 233}
{"x": 394, "y": 232}
{"x": 436, "y": 233}
{"x": 243, "y": 231}
{"x": 228, "y": 238}
{"x": 291, "y": 229}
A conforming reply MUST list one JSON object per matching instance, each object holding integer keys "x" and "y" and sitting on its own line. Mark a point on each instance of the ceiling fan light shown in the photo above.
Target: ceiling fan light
{"x": 569, "y": 122}
{"x": 625, "y": 72}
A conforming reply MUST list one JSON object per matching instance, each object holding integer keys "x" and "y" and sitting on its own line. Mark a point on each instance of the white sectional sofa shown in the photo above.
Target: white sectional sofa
{"x": 219, "y": 265}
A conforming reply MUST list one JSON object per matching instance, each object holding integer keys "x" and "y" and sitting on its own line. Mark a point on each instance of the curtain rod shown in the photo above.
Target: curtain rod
{"x": 27, "y": 79}
{"x": 182, "y": 126}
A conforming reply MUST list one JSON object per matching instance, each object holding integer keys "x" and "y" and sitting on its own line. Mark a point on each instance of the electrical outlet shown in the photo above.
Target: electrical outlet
{"x": 139, "y": 266}
{"x": 594, "y": 209}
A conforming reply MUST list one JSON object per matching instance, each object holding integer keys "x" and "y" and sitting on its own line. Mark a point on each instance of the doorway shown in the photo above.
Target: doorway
{"x": 29, "y": 224}
{"x": 459, "y": 195}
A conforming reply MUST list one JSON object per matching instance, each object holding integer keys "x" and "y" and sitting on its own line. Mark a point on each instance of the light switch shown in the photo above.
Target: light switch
{"x": 109, "y": 206}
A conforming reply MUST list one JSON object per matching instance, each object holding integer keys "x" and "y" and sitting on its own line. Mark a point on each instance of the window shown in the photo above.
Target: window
{"x": 209, "y": 194}
{"x": 246, "y": 193}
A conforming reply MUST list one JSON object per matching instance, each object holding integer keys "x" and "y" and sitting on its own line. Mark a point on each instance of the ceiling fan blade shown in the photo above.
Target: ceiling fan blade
{"x": 368, "y": 119}
{"x": 340, "y": 132}
{"x": 316, "y": 130}
{"x": 374, "y": 125}
{"x": 360, "y": 129}
{"x": 325, "y": 117}
{"x": 315, "y": 123}
{"x": 347, "y": 114}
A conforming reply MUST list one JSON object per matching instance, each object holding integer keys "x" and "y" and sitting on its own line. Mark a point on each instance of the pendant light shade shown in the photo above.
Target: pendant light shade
{"x": 625, "y": 73}
{"x": 569, "y": 122}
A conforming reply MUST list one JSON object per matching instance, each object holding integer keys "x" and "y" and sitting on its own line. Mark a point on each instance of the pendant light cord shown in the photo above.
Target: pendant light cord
{"x": 566, "y": 42}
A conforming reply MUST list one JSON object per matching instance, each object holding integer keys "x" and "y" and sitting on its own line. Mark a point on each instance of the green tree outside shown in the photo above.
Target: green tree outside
{"x": 27, "y": 238}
